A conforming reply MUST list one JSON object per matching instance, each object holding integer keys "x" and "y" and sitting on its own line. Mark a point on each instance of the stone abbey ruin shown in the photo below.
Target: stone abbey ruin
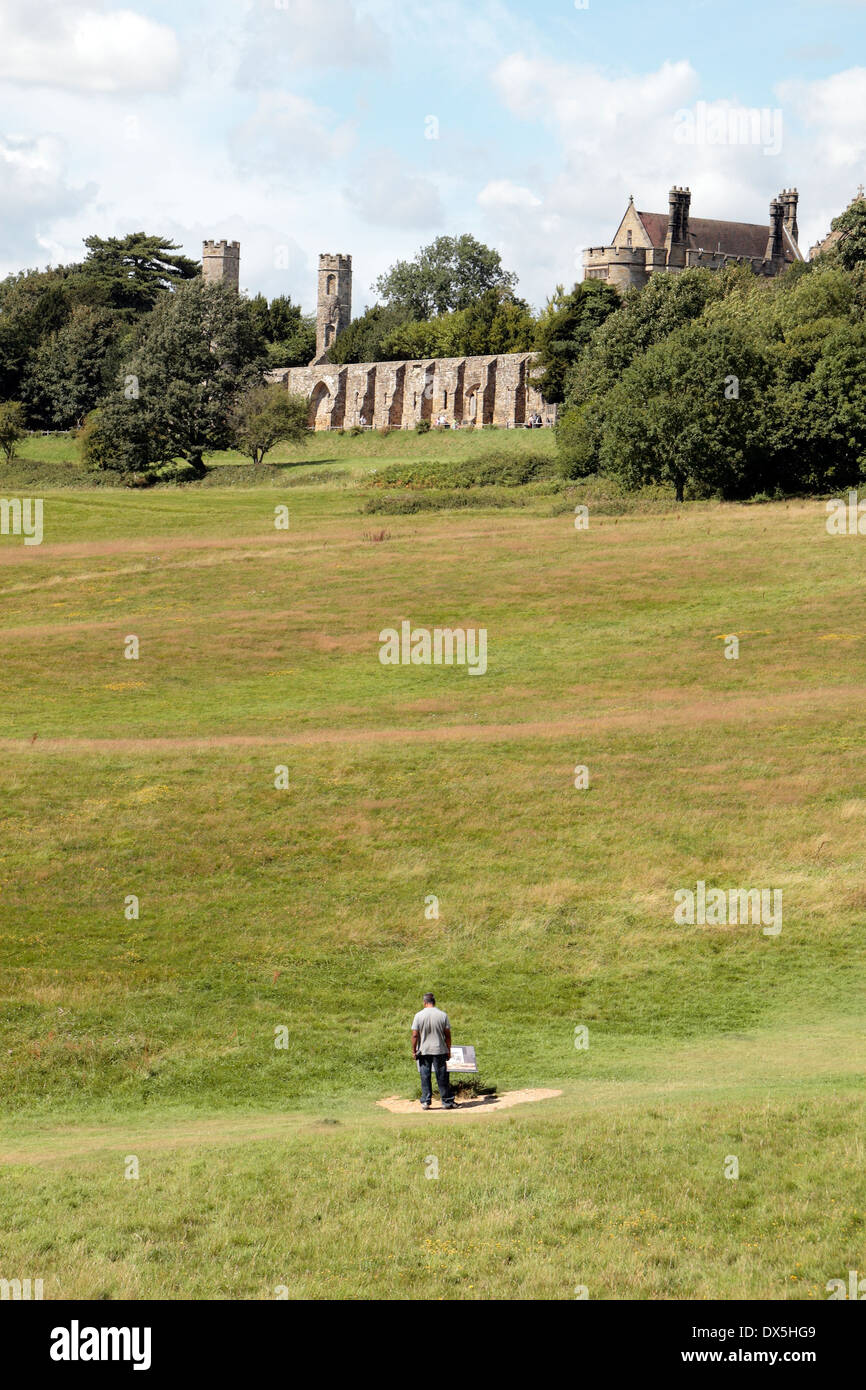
{"x": 498, "y": 390}
{"x": 397, "y": 395}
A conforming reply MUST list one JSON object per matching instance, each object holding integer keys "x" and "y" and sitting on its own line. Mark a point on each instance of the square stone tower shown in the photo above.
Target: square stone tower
{"x": 221, "y": 262}
{"x": 334, "y": 309}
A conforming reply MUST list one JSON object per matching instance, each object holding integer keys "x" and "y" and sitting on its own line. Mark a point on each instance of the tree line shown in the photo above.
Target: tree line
{"x": 66, "y": 332}
{"x": 719, "y": 383}
{"x": 713, "y": 383}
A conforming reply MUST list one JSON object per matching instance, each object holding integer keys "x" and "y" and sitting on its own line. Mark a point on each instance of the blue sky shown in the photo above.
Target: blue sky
{"x": 299, "y": 126}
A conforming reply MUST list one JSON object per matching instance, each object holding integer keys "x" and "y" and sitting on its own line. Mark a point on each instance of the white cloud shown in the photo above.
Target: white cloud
{"x": 609, "y": 136}
{"x": 832, "y": 111}
{"x": 502, "y": 193}
{"x": 60, "y": 43}
{"x": 384, "y": 191}
{"x": 303, "y": 34}
{"x": 287, "y": 132}
{"x": 583, "y": 105}
{"x": 835, "y": 108}
{"x": 34, "y": 191}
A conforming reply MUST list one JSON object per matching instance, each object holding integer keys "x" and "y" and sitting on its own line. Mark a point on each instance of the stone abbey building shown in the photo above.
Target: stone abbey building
{"x": 498, "y": 390}
{"x": 648, "y": 242}
{"x": 457, "y": 390}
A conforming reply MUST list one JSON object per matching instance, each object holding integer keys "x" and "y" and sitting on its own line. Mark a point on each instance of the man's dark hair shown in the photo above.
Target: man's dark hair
{"x": 429, "y": 999}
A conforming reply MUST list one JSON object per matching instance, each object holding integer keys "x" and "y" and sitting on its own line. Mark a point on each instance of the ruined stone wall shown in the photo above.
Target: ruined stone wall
{"x": 459, "y": 390}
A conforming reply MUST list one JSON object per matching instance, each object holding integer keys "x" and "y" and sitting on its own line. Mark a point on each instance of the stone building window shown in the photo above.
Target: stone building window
{"x": 628, "y": 238}
{"x": 444, "y": 400}
{"x": 331, "y": 285}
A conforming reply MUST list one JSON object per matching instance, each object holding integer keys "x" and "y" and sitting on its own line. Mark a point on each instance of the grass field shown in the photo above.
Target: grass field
{"x": 263, "y": 1168}
{"x": 344, "y": 456}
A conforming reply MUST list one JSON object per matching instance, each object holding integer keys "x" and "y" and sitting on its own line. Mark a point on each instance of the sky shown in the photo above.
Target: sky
{"x": 370, "y": 127}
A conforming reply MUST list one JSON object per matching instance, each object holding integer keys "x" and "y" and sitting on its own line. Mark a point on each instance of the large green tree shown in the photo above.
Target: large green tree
{"x": 74, "y": 367}
{"x": 130, "y": 272}
{"x": 451, "y": 273}
{"x": 822, "y": 418}
{"x": 850, "y": 249}
{"x": 564, "y": 330}
{"x": 494, "y": 323}
{"x": 120, "y": 276}
{"x": 33, "y": 305}
{"x": 198, "y": 350}
{"x": 646, "y": 317}
{"x": 692, "y": 412}
{"x": 289, "y": 333}
{"x": 365, "y": 338}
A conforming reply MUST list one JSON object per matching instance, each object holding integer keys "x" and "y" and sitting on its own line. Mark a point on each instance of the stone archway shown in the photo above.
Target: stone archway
{"x": 319, "y": 417}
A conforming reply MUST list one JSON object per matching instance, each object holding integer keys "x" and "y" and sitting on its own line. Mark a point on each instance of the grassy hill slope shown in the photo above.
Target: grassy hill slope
{"x": 305, "y": 907}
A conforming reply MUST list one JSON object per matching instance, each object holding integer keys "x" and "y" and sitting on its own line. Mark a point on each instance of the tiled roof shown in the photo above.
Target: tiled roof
{"x": 707, "y": 234}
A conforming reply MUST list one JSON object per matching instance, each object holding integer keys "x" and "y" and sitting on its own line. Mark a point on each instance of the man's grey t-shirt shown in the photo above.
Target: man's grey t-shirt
{"x": 430, "y": 1025}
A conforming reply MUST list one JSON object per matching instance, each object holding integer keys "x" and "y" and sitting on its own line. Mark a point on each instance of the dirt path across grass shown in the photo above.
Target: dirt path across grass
{"x": 763, "y": 709}
{"x": 347, "y": 535}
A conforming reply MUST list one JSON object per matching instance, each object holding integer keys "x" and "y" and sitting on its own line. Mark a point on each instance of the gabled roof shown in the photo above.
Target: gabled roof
{"x": 708, "y": 234}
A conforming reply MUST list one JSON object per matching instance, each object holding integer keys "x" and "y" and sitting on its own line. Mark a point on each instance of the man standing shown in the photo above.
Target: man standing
{"x": 431, "y": 1047}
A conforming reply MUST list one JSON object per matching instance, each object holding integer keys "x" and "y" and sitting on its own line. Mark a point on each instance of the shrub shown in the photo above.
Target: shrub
{"x": 114, "y": 439}
{"x": 499, "y": 467}
{"x": 13, "y": 427}
{"x": 266, "y": 415}
{"x": 422, "y": 427}
{"x": 179, "y": 471}
{"x": 406, "y": 503}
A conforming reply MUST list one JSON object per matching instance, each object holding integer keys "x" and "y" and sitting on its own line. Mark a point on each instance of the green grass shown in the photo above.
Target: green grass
{"x": 627, "y": 1198}
{"x": 305, "y": 907}
{"x": 55, "y": 460}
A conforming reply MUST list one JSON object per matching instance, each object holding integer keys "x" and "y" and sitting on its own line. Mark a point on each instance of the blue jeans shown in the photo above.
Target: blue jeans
{"x": 440, "y": 1066}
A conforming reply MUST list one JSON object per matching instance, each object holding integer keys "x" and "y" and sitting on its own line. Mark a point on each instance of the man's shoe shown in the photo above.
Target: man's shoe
{"x": 452, "y": 1106}
{"x": 424, "y": 1107}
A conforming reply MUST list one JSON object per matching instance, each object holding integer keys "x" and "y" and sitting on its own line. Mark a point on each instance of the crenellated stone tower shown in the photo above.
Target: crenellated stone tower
{"x": 334, "y": 309}
{"x": 221, "y": 262}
